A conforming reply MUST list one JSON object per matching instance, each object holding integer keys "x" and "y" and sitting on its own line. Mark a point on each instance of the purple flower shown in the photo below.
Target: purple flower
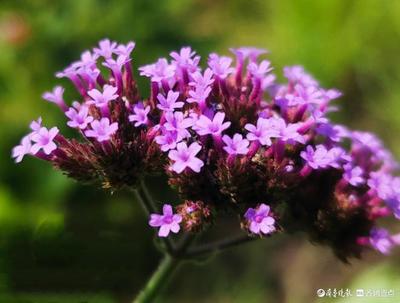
{"x": 56, "y": 97}
{"x": 125, "y": 50}
{"x": 220, "y": 65}
{"x": 102, "y": 130}
{"x": 353, "y": 175}
{"x": 202, "y": 81}
{"x": 381, "y": 240}
{"x": 167, "y": 221}
{"x": 177, "y": 122}
{"x": 106, "y": 48}
{"x": 168, "y": 140}
{"x": 185, "y": 156}
{"x": 259, "y": 71}
{"x": 158, "y": 71}
{"x": 140, "y": 114}
{"x": 216, "y": 126}
{"x": 318, "y": 158}
{"x": 24, "y": 148}
{"x": 259, "y": 220}
{"x": 79, "y": 117}
{"x": 116, "y": 64}
{"x": 90, "y": 75}
{"x": 334, "y": 133}
{"x": 184, "y": 59}
{"x": 36, "y": 124}
{"x": 248, "y": 52}
{"x": 199, "y": 95}
{"x": 88, "y": 59}
{"x": 236, "y": 145}
{"x": 169, "y": 104}
{"x": 101, "y": 99}
{"x": 296, "y": 74}
{"x": 43, "y": 139}
{"x": 290, "y": 133}
{"x": 305, "y": 95}
{"x": 262, "y": 132}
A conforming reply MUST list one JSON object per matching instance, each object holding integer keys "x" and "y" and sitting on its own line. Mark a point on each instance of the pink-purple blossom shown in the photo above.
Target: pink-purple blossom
{"x": 44, "y": 140}
{"x": 158, "y": 71}
{"x": 167, "y": 221}
{"x": 353, "y": 175}
{"x": 321, "y": 157}
{"x": 106, "y": 48}
{"x": 140, "y": 114}
{"x": 125, "y": 49}
{"x": 102, "y": 130}
{"x": 279, "y": 145}
{"x": 178, "y": 122}
{"x": 296, "y": 74}
{"x": 220, "y": 65}
{"x": 78, "y": 117}
{"x": 169, "y": 103}
{"x": 202, "y": 80}
{"x": 259, "y": 71}
{"x": 381, "y": 240}
{"x": 236, "y": 145}
{"x": 262, "y": 132}
{"x": 186, "y": 59}
{"x": 56, "y": 97}
{"x": 168, "y": 140}
{"x": 185, "y": 156}
{"x": 101, "y": 99}
{"x": 242, "y": 53}
{"x": 24, "y": 148}
{"x": 199, "y": 95}
{"x": 259, "y": 220}
{"x": 206, "y": 126}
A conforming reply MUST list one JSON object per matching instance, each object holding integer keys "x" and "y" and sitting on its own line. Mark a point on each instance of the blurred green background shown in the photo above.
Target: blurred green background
{"x": 64, "y": 242}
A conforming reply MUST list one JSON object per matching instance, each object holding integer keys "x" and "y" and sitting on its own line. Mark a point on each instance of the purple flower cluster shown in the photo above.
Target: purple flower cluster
{"x": 228, "y": 137}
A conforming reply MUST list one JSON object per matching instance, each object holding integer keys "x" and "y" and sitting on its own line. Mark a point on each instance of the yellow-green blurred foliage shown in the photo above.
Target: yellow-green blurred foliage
{"x": 63, "y": 242}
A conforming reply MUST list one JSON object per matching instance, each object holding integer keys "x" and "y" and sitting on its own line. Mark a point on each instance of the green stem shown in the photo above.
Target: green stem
{"x": 158, "y": 280}
{"x": 217, "y": 246}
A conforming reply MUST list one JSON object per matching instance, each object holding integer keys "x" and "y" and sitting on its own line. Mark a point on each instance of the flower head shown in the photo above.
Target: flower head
{"x": 167, "y": 222}
{"x": 247, "y": 137}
